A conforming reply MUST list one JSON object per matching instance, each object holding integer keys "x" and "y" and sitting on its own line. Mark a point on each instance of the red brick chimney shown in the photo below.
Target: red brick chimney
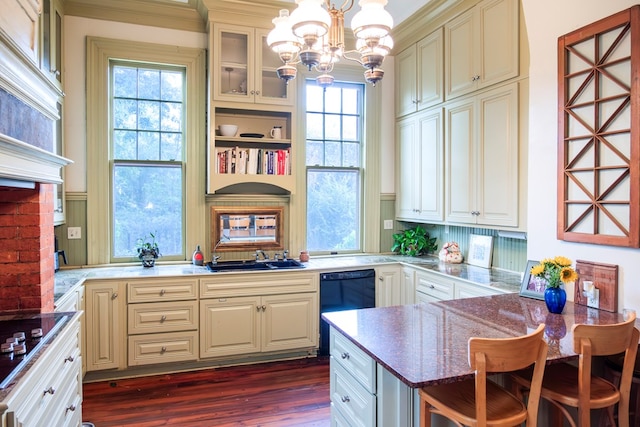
{"x": 26, "y": 249}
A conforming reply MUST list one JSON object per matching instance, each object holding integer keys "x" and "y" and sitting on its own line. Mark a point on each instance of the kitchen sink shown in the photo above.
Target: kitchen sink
{"x": 251, "y": 265}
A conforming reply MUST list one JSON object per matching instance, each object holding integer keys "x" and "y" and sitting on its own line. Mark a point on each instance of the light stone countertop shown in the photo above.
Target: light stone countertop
{"x": 506, "y": 281}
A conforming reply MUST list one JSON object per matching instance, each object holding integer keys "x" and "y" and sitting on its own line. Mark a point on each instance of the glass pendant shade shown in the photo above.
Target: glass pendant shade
{"x": 310, "y": 21}
{"x": 281, "y": 40}
{"x": 372, "y": 21}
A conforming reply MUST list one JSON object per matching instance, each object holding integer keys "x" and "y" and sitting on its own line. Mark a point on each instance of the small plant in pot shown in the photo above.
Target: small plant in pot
{"x": 413, "y": 242}
{"x": 148, "y": 250}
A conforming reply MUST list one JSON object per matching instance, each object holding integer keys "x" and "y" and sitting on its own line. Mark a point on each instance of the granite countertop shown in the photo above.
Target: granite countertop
{"x": 502, "y": 280}
{"x": 426, "y": 344}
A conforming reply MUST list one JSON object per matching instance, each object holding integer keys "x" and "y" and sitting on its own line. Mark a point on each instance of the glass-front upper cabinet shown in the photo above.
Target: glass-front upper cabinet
{"x": 245, "y": 68}
{"x": 52, "y": 40}
{"x": 58, "y": 189}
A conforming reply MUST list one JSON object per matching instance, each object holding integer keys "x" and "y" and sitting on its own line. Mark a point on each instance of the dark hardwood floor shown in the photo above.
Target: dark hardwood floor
{"x": 290, "y": 393}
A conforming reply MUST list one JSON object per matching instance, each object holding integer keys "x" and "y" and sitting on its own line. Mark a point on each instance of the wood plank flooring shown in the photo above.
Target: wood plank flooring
{"x": 282, "y": 394}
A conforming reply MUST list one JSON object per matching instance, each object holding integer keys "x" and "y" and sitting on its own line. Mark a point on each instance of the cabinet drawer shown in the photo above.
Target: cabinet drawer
{"x": 354, "y": 360}
{"x": 163, "y": 317}
{"x": 162, "y": 348}
{"x": 156, "y": 291}
{"x": 433, "y": 288}
{"x": 356, "y": 405}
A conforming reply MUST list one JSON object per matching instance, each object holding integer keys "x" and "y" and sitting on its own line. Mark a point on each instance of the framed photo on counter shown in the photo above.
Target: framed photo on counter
{"x": 480, "y": 250}
{"x": 532, "y": 286}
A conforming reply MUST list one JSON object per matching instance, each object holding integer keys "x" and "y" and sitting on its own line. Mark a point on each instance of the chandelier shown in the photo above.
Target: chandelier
{"x": 314, "y": 36}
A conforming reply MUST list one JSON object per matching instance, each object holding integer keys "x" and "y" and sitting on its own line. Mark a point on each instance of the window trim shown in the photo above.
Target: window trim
{"x": 100, "y": 52}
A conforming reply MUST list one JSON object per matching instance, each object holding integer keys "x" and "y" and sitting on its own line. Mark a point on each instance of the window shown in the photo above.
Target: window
{"x": 147, "y": 177}
{"x": 334, "y": 166}
{"x": 146, "y": 133}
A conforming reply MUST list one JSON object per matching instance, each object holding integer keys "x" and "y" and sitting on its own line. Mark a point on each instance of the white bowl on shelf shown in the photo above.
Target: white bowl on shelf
{"x": 228, "y": 130}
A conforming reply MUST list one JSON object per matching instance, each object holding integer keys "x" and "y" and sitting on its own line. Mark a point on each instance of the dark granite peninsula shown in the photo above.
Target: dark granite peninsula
{"x": 411, "y": 346}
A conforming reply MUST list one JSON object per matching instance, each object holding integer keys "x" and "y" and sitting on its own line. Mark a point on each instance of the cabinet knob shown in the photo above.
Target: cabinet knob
{"x": 163, "y": 318}
{"x": 264, "y": 308}
{"x": 345, "y": 399}
{"x": 162, "y": 292}
{"x": 114, "y": 296}
{"x": 431, "y": 286}
{"x": 345, "y": 355}
{"x": 68, "y": 359}
{"x": 50, "y": 390}
{"x": 163, "y": 350}
{"x": 71, "y": 408}
{"x": 257, "y": 92}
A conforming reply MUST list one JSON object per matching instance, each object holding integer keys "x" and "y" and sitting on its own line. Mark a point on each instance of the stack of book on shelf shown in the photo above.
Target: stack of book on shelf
{"x": 253, "y": 161}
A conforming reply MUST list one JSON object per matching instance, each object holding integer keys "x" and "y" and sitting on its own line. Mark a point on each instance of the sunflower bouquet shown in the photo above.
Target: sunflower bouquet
{"x": 555, "y": 271}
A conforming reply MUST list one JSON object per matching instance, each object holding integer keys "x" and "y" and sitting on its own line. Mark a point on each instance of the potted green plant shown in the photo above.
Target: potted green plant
{"x": 413, "y": 242}
{"x": 148, "y": 250}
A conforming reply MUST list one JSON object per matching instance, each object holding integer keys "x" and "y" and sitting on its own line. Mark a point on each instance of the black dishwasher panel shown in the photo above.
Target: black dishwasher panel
{"x": 345, "y": 290}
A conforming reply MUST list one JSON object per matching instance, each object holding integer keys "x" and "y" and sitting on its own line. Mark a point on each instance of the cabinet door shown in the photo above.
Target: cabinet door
{"x": 461, "y": 54}
{"x": 388, "y": 287}
{"x": 461, "y": 173}
{"x": 233, "y": 66}
{"x": 406, "y": 63}
{"x": 497, "y": 181}
{"x": 408, "y": 187}
{"x": 269, "y": 89}
{"x": 105, "y": 326}
{"x": 499, "y": 38}
{"x": 430, "y": 69}
{"x": 290, "y": 321}
{"x": 408, "y": 286}
{"x": 229, "y": 326}
{"x": 430, "y": 173}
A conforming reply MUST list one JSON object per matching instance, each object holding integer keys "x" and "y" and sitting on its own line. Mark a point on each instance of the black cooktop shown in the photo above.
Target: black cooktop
{"x": 11, "y": 362}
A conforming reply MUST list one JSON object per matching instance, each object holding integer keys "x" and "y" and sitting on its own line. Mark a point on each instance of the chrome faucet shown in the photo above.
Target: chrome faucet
{"x": 285, "y": 254}
{"x": 215, "y": 258}
{"x": 261, "y": 252}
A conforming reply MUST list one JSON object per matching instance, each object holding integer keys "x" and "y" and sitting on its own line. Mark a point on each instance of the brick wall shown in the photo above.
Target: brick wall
{"x": 26, "y": 249}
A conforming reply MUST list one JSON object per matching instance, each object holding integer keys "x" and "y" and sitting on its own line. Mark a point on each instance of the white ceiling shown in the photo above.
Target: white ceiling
{"x": 399, "y": 9}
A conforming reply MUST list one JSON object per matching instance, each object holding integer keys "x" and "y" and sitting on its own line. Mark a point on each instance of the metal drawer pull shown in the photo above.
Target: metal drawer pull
{"x": 68, "y": 359}
{"x": 431, "y": 286}
{"x": 345, "y": 355}
{"x": 50, "y": 390}
{"x": 114, "y": 296}
{"x": 71, "y": 408}
{"x": 163, "y": 350}
{"x": 345, "y": 399}
{"x": 163, "y": 318}
{"x": 162, "y": 292}
{"x": 264, "y": 308}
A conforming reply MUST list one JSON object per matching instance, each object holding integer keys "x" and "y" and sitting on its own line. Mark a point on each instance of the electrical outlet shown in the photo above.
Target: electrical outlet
{"x": 593, "y": 300}
{"x": 388, "y": 224}
{"x": 74, "y": 233}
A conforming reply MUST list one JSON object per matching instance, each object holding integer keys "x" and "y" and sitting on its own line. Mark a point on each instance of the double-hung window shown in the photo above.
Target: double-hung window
{"x": 334, "y": 153}
{"x": 147, "y": 176}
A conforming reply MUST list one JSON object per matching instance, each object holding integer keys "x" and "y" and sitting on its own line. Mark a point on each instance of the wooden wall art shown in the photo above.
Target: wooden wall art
{"x": 599, "y": 131}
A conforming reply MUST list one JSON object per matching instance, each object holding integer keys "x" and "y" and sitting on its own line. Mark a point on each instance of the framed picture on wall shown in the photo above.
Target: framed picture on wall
{"x": 532, "y": 286}
{"x": 480, "y": 250}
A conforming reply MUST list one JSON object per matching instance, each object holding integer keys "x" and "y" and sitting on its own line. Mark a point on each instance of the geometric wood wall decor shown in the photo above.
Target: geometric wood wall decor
{"x": 599, "y": 132}
{"x": 604, "y": 278}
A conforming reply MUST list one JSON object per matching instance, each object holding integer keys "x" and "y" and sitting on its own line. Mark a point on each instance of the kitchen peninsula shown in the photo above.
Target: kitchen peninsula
{"x": 406, "y": 347}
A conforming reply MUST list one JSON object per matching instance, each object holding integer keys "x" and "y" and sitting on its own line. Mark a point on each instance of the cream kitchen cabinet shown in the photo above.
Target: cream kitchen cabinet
{"x": 162, "y": 321}
{"x": 420, "y": 167}
{"x": 20, "y": 21}
{"x": 419, "y": 75}
{"x": 481, "y": 47}
{"x": 50, "y": 393}
{"x": 482, "y": 148}
{"x": 388, "y": 286}
{"x": 244, "y": 68}
{"x": 432, "y": 287}
{"x": 105, "y": 325}
{"x": 258, "y": 313}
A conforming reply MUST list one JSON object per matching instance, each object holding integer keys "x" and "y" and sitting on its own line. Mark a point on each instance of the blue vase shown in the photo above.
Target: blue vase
{"x": 555, "y": 298}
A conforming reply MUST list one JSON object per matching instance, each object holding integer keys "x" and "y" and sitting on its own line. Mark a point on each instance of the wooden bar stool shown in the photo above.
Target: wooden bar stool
{"x": 481, "y": 402}
{"x": 566, "y": 384}
{"x": 612, "y": 372}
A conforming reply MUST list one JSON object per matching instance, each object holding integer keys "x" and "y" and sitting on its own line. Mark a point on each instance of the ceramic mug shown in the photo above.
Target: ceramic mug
{"x": 276, "y": 132}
